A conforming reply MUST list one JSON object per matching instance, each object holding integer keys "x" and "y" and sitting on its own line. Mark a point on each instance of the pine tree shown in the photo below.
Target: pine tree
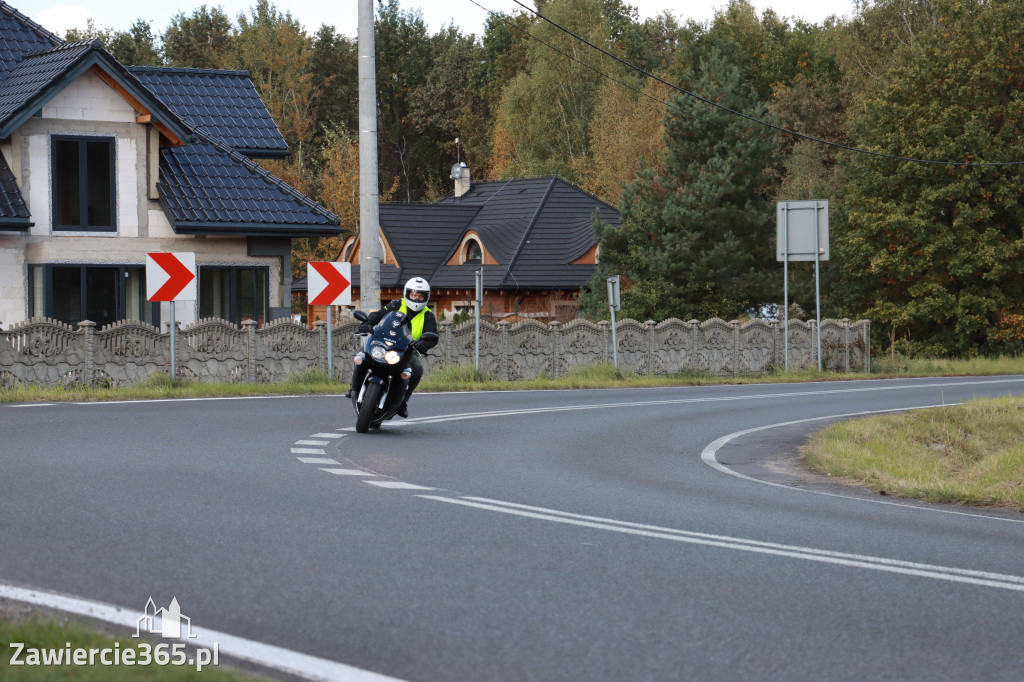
{"x": 697, "y": 235}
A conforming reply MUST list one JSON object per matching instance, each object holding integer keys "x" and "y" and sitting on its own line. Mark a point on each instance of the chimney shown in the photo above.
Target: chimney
{"x": 461, "y": 176}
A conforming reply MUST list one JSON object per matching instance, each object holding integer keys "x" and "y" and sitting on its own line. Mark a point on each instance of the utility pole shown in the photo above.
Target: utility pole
{"x": 369, "y": 213}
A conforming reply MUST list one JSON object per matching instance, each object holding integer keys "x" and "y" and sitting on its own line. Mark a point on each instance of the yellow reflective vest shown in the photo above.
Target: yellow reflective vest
{"x": 416, "y": 322}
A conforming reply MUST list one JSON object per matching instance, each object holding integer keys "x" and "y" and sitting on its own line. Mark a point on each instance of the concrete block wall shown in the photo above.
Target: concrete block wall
{"x": 51, "y": 353}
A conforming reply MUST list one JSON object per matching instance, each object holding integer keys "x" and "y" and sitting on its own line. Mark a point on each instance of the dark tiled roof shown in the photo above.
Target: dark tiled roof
{"x": 19, "y": 35}
{"x": 224, "y": 104}
{"x": 206, "y": 188}
{"x": 13, "y": 211}
{"x": 422, "y": 236}
{"x": 389, "y": 276}
{"x": 535, "y": 228}
{"x": 40, "y": 76}
{"x": 31, "y": 76}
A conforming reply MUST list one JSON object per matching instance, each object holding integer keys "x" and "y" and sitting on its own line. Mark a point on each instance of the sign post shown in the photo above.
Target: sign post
{"x": 802, "y": 235}
{"x": 478, "y": 304}
{"x": 613, "y": 305}
{"x": 171, "y": 277}
{"x": 330, "y": 284}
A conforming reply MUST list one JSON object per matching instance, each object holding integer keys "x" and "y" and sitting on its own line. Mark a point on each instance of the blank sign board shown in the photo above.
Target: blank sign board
{"x": 802, "y": 230}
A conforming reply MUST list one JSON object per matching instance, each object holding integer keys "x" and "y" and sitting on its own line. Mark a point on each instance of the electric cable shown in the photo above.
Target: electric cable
{"x": 758, "y": 121}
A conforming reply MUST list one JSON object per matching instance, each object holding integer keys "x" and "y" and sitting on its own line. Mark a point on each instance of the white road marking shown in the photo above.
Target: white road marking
{"x": 317, "y": 460}
{"x": 949, "y": 574}
{"x": 328, "y": 435}
{"x": 308, "y": 451}
{"x": 312, "y": 442}
{"x": 398, "y": 485}
{"x": 267, "y": 655}
{"x": 710, "y": 457}
{"x": 684, "y": 401}
{"x": 347, "y": 472}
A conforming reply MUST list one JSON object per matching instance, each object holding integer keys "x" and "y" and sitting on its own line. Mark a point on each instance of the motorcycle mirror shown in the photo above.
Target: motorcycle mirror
{"x": 429, "y": 336}
{"x": 360, "y": 315}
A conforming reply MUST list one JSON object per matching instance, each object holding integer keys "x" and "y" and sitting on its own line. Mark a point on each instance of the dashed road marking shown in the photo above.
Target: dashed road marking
{"x": 347, "y": 472}
{"x": 328, "y": 435}
{"x": 398, "y": 485}
{"x": 312, "y": 442}
{"x": 317, "y": 460}
{"x": 308, "y": 451}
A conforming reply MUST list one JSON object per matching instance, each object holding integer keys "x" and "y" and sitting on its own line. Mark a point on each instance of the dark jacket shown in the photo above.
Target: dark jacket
{"x": 429, "y": 322}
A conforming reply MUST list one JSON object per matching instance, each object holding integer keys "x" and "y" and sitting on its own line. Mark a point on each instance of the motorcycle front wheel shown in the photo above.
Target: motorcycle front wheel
{"x": 366, "y": 411}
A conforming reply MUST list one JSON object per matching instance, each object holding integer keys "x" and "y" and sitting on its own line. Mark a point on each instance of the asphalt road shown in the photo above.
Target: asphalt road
{"x": 561, "y": 535}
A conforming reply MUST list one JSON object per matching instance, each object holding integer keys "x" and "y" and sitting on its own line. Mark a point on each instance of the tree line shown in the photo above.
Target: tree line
{"x": 906, "y": 116}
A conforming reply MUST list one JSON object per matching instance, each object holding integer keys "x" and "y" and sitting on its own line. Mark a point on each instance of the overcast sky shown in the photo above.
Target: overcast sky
{"x": 58, "y": 16}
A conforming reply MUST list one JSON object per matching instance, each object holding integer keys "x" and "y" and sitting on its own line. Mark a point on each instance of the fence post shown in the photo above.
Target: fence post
{"x": 815, "y": 342}
{"x": 867, "y": 345}
{"x": 650, "y": 347}
{"x": 88, "y": 348}
{"x": 446, "y": 335}
{"x": 846, "y": 344}
{"x": 250, "y": 350}
{"x": 554, "y": 349}
{"x": 605, "y": 332}
{"x": 735, "y": 324}
{"x": 694, "y": 329}
{"x": 503, "y": 354}
{"x": 321, "y": 344}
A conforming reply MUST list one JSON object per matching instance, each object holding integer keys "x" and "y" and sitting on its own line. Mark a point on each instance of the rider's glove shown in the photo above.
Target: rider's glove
{"x": 363, "y": 328}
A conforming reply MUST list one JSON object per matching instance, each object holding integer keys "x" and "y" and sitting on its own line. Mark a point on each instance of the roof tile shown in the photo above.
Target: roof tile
{"x": 199, "y": 97}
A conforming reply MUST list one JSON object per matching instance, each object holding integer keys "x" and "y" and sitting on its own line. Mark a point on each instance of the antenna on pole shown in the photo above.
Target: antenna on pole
{"x": 458, "y": 151}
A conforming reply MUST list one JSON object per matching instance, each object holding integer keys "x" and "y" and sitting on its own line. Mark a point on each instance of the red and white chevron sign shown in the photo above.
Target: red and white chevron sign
{"x": 170, "y": 277}
{"x": 329, "y": 283}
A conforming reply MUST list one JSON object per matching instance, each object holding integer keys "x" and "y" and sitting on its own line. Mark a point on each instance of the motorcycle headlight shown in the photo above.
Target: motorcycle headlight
{"x": 393, "y": 357}
{"x": 378, "y": 353}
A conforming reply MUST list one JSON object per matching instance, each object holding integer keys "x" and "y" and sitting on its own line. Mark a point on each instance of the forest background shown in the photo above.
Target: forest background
{"x": 906, "y": 116}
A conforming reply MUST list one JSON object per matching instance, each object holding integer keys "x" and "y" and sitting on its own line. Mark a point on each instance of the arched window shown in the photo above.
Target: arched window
{"x": 471, "y": 252}
{"x": 346, "y": 251}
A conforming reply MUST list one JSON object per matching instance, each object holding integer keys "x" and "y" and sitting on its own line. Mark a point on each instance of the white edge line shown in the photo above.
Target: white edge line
{"x": 710, "y": 452}
{"x": 266, "y": 655}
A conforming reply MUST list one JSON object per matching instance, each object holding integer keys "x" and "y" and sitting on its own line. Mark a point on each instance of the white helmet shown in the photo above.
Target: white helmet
{"x": 417, "y": 294}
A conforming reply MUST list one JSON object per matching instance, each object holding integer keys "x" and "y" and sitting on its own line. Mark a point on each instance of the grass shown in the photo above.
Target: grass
{"x": 966, "y": 454}
{"x": 41, "y": 632}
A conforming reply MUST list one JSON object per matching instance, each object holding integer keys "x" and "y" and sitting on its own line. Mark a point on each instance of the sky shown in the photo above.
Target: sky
{"x": 57, "y": 16}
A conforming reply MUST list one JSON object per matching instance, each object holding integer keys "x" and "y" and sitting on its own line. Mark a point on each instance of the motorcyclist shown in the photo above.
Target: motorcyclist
{"x": 419, "y": 319}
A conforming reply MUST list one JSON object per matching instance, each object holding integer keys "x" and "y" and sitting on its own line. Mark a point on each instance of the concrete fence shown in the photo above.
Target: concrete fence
{"x": 51, "y": 353}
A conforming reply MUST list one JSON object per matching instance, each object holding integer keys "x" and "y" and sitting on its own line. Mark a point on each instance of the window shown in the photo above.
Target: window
{"x": 471, "y": 252}
{"x": 99, "y": 293}
{"x": 83, "y": 184}
{"x": 233, "y": 293}
{"x": 346, "y": 252}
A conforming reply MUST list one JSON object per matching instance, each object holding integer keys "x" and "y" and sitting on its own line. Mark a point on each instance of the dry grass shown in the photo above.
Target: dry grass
{"x": 970, "y": 454}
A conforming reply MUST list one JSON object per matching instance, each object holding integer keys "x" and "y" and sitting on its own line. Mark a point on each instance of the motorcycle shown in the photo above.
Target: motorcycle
{"x": 386, "y": 355}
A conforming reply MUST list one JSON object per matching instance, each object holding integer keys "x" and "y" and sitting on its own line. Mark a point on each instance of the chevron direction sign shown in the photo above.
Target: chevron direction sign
{"x": 329, "y": 283}
{"x": 170, "y": 277}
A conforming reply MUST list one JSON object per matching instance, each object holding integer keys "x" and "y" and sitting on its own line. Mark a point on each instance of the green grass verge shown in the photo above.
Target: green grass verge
{"x": 55, "y": 635}
{"x": 967, "y": 454}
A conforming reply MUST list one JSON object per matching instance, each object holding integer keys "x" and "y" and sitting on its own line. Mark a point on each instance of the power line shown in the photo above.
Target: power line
{"x": 758, "y": 121}
{"x": 640, "y": 92}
